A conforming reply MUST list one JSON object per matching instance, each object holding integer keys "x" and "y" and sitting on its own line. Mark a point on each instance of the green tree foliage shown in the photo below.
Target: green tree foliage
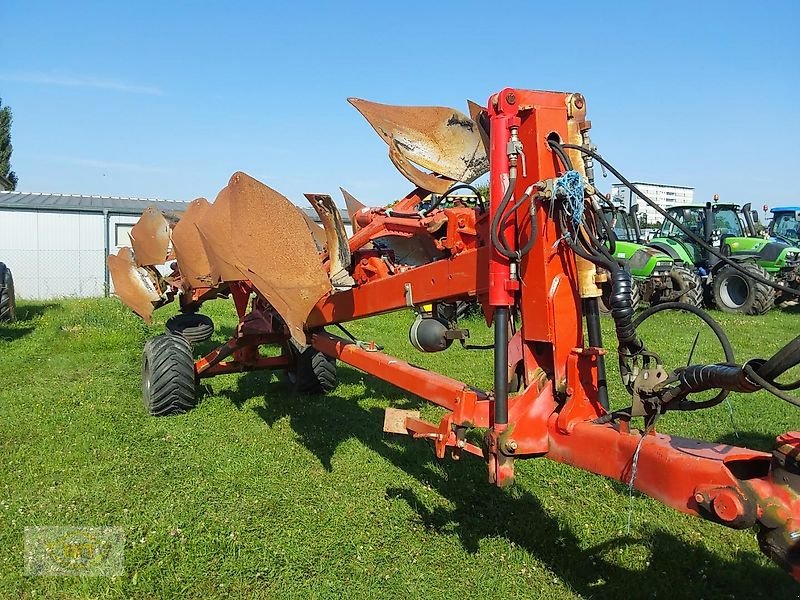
{"x": 5, "y": 145}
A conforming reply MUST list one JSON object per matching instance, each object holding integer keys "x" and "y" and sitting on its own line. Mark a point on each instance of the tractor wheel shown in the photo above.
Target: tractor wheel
{"x": 604, "y": 301}
{"x": 193, "y": 326}
{"x": 734, "y": 292}
{"x": 168, "y": 376}
{"x": 684, "y": 279}
{"x": 8, "y": 301}
{"x": 313, "y": 372}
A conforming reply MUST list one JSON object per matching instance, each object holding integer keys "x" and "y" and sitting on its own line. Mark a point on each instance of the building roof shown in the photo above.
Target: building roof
{"x": 666, "y": 185}
{"x": 72, "y": 202}
{"x": 99, "y": 204}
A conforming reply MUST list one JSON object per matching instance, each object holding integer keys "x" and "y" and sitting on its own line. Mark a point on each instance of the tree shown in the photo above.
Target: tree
{"x": 5, "y": 146}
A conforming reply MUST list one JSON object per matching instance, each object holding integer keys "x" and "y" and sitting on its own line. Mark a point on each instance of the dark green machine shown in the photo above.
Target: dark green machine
{"x": 732, "y": 231}
{"x": 657, "y": 275}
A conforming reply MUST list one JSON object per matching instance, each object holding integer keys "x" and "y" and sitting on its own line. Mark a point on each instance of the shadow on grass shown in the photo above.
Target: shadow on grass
{"x": 9, "y": 334}
{"x": 677, "y": 568}
{"x": 749, "y": 439}
{"x": 26, "y": 312}
{"x": 30, "y": 310}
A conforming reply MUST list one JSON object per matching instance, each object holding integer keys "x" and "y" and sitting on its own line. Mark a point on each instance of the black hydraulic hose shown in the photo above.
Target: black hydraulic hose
{"x": 455, "y": 188}
{"x": 499, "y": 244}
{"x": 600, "y": 222}
{"x": 783, "y": 360}
{"x": 622, "y": 311}
{"x": 697, "y": 239}
{"x": 559, "y": 150}
{"x": 727, "y": 349}
{"x": 752, "y": 373}
{"x": 534, "y": 226}
{"x": 501, "y": 365}
{"x": 715, "y": 327}
{"x": 586, "y": 254}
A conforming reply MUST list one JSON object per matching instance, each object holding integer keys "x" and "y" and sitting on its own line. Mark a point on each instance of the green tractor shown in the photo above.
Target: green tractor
{"x": 658, "y": 278}
{"x": 731, "y": 230}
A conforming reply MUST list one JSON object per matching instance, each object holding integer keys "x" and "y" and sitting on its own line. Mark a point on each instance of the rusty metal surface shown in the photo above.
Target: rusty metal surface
{"x": 426, "y": 181}
{"x": 215, "y": 232}
{"x": 150, "y": 238}
{"x": 336, "y": 236}
{"x": 441, "y": 139}
{"x": 478, "y": 114}
{"x": 275, "y": 250}
{"x": 133, "y": 285}
{"x": 353, "y": 207}
{"x": 317, "y": 232}
{"x": 188, "y": 246}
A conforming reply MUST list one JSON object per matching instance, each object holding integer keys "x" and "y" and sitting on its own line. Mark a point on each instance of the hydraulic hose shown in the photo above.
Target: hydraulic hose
{"x": 699, "y": 378}
{"x": 681, "y": 226}
{"x": 499, "y": 244}
{"x": 622, "y": 311}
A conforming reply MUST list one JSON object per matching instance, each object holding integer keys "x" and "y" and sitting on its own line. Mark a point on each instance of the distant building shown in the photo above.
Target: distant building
{"x": 664, "y": 195}
{"x": 56, "y": 244}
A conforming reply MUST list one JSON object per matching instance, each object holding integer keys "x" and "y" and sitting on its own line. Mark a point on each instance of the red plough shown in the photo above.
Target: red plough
{"x": 536, "y": 253}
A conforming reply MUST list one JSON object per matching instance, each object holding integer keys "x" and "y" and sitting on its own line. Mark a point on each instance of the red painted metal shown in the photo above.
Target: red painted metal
{"x": 552, "y": 415}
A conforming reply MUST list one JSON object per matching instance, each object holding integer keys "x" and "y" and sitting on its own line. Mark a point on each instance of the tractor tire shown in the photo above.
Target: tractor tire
{"x": 8, "y": 301}
{"x": 736, "y": 293}
{"x": 168, "y": 376}
{"x": 604, "y": 301}
{"x": 314, "y": 373}
{"x": 193, "y": 326}
{"x": 684, "y": 278}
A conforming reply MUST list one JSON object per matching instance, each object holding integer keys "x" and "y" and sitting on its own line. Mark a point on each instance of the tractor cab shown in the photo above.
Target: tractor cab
{"x": 785, "y": 225}
{"x": 623, "y": 223}
{"x": 726, "y": 227}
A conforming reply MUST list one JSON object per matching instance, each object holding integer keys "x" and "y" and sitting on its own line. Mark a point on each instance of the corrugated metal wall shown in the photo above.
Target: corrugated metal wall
{"x": 54, "y": 254}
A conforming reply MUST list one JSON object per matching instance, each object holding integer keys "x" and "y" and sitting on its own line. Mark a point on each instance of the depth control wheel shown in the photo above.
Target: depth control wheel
{"x": 193, "y": 326}
{"x": 168, "y": 376}
{"x": 313, "y": 372}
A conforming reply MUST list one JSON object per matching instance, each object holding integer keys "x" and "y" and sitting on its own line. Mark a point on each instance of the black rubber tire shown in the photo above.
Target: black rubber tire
{"x": 684, "y": 278}
{"x": 603, "y": 301}
{"x": 193, "y": 326}
{"x": 738, "y": 294}
{"x": 8, "y": 300}
{"x": 168, "y": 377}
{"x": 313, "y": 373}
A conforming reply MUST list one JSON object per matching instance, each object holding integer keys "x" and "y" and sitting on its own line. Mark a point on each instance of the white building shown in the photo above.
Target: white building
{"x": 663, "y": 195}
{"x": 56, "y": 244}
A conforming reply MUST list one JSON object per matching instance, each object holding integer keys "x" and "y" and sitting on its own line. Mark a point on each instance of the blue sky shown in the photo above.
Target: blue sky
{"x": 168, "y": 99}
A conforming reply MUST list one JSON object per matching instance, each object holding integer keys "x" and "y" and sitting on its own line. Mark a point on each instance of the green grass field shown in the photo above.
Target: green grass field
{"x": 259, "y": 493}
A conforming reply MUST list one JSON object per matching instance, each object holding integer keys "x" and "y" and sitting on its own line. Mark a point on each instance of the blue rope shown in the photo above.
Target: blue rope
{"x": 570, "y": 185}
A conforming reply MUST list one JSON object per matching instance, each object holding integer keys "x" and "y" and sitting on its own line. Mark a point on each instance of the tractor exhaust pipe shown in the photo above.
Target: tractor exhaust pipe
{"x": 634, "y": 214}
{"x": 708, "y": 231}
{"x": 747, "y": 212}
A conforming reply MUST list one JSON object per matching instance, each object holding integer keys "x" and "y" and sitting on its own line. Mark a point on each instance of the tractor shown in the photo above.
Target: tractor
{"x": 657, "y": 276}
{"x": 729, "y": 229}
{"x": 532, "y": 257}
{"x": 785, "y": 225}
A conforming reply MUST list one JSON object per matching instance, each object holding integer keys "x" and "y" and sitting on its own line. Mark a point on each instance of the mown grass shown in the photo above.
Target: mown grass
{"x": 260, "y": 493}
